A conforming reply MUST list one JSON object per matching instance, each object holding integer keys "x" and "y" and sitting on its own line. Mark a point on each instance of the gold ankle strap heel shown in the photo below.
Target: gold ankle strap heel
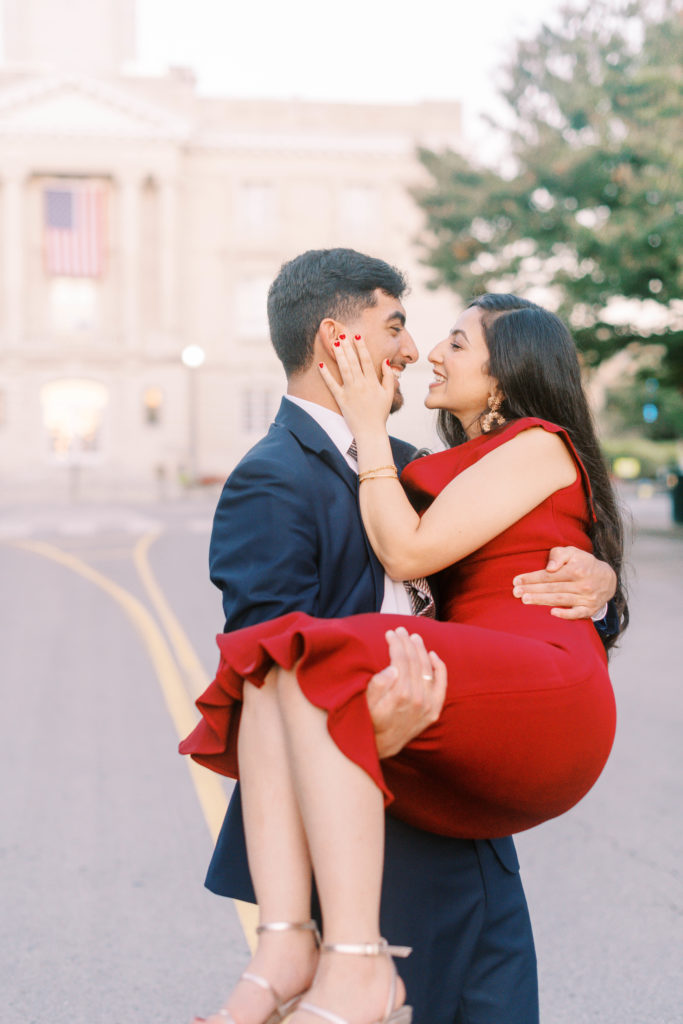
{"x": 282, "y": 1007}
{"x": 401, "y": 1015}
{"x": 287, "y": 926}
{"x": 367, "y": 948}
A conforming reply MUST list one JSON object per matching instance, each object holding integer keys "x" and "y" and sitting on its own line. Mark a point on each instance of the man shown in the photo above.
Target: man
{"x": 288, "y": 536}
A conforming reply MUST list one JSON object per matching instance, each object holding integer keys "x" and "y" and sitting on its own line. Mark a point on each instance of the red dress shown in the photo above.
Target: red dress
{"x": 529, "y": 717}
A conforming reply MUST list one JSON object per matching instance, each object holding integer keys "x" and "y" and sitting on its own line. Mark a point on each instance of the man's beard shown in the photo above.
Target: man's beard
{"x": 397, "y": 401}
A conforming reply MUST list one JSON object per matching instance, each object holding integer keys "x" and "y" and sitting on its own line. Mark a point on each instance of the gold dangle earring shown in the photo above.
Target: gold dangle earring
{"x": 493, "y": 418}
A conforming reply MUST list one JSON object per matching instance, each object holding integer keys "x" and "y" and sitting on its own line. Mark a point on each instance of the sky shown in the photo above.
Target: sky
{"x": 359, "y": 50}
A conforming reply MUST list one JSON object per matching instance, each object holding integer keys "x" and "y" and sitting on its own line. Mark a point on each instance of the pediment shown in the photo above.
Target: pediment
{"x": 76, "y": 106}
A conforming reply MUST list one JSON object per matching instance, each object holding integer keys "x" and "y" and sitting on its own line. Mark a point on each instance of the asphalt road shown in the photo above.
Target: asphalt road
{"x": 107, "y": 627}
{"x": 104, "y": 842}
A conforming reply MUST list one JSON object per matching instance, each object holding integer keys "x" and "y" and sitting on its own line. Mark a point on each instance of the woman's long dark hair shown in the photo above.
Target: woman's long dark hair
{"x": 534, "y": 359}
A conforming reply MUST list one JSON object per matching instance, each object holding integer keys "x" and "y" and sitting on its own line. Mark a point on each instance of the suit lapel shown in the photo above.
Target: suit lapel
{"x": 312, "y": 437}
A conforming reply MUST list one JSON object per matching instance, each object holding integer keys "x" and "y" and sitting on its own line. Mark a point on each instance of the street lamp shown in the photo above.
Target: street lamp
{"x": 193, "y": 357}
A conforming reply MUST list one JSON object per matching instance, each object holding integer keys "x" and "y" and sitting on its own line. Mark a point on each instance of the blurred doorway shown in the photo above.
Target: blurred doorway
{"x": 73, "y": 413}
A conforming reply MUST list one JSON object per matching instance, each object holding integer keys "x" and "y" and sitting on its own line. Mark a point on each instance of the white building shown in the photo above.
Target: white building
{"x": 138, "y": 218}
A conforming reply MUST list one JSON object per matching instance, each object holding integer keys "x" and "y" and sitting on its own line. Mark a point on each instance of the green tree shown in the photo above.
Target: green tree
{"x": 594, "y": 209}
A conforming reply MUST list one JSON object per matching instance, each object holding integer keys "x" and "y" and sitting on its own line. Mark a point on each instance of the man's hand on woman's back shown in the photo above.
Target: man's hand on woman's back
{"x": 574, "y": 583}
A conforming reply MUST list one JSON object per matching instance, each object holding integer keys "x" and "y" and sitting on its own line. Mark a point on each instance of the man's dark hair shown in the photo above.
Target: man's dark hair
{"x": 320, "y": 283}
{"x": 533, "y": 357}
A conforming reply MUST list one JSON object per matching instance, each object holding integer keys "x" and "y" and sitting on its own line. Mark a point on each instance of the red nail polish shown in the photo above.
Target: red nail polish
{"x": 337, "y": 344}
{"x": 321, "y": 365}
{"x": 357, "y": 337}
{"x": 388, "y": 362}
{"x": 342, "y": 336}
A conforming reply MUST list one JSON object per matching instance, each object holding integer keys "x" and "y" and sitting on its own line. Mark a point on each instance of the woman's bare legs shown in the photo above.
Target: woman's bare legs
{"x": 278, "y": 855}
{"x": 343, "y": 815}
{"x": 304, "y": 801}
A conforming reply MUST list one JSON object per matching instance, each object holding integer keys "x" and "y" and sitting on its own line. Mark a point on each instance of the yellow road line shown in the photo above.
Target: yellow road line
{"x": 214, "y": 808}
{"x": 184, "y": 651}
{"x": 207, "y": 786}
{"x": 106, "y": 554}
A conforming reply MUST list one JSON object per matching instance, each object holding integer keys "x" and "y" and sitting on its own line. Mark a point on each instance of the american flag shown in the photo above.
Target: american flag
{"x": 74, "y": 230}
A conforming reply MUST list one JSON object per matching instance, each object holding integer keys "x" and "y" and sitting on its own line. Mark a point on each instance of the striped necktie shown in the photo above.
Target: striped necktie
{"x": 418, "y": 590}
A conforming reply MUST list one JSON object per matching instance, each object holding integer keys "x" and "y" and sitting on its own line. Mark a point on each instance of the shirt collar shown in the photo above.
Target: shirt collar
{"x": 333, "y": 423}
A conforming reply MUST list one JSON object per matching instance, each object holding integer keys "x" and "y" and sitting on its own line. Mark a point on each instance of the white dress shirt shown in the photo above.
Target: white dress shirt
{"x": 396, "y": 599}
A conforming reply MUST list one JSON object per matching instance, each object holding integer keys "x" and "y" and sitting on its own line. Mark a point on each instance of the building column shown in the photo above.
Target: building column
{"x": 168, "y": 255}
{"x": 14, "y": 257}
{"x": 129, "y": 248}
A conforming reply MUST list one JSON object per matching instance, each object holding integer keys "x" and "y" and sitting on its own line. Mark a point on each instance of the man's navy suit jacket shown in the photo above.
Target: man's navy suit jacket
{"x": 288, "y": 536}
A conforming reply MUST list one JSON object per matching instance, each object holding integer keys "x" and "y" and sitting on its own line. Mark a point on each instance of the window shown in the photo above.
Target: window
{"x": 257, "y": 411}
{"x": 73, "y": 304}
{"x": 73, "y": 410}
{"x": 359, "y": 209}
{"x": 153, "y": 400}
{"x": 251, "y": 312}
{"x": 256, "y": 209}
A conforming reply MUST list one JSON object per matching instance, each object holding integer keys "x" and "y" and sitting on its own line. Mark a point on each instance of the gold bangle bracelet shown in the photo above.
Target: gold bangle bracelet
{"x": 381, "y": 473}
{"x": 377, "y": 469}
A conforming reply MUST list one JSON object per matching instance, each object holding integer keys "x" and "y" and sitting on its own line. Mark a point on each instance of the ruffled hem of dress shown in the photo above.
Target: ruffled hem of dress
{"x": 249, "y": 654}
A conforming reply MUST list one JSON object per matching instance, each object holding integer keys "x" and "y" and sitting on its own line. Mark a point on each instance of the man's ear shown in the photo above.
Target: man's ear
{"x": 328, "y": 332}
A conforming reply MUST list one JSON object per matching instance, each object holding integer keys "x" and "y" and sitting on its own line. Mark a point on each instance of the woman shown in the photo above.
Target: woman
{"x": 528, "y": 719}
